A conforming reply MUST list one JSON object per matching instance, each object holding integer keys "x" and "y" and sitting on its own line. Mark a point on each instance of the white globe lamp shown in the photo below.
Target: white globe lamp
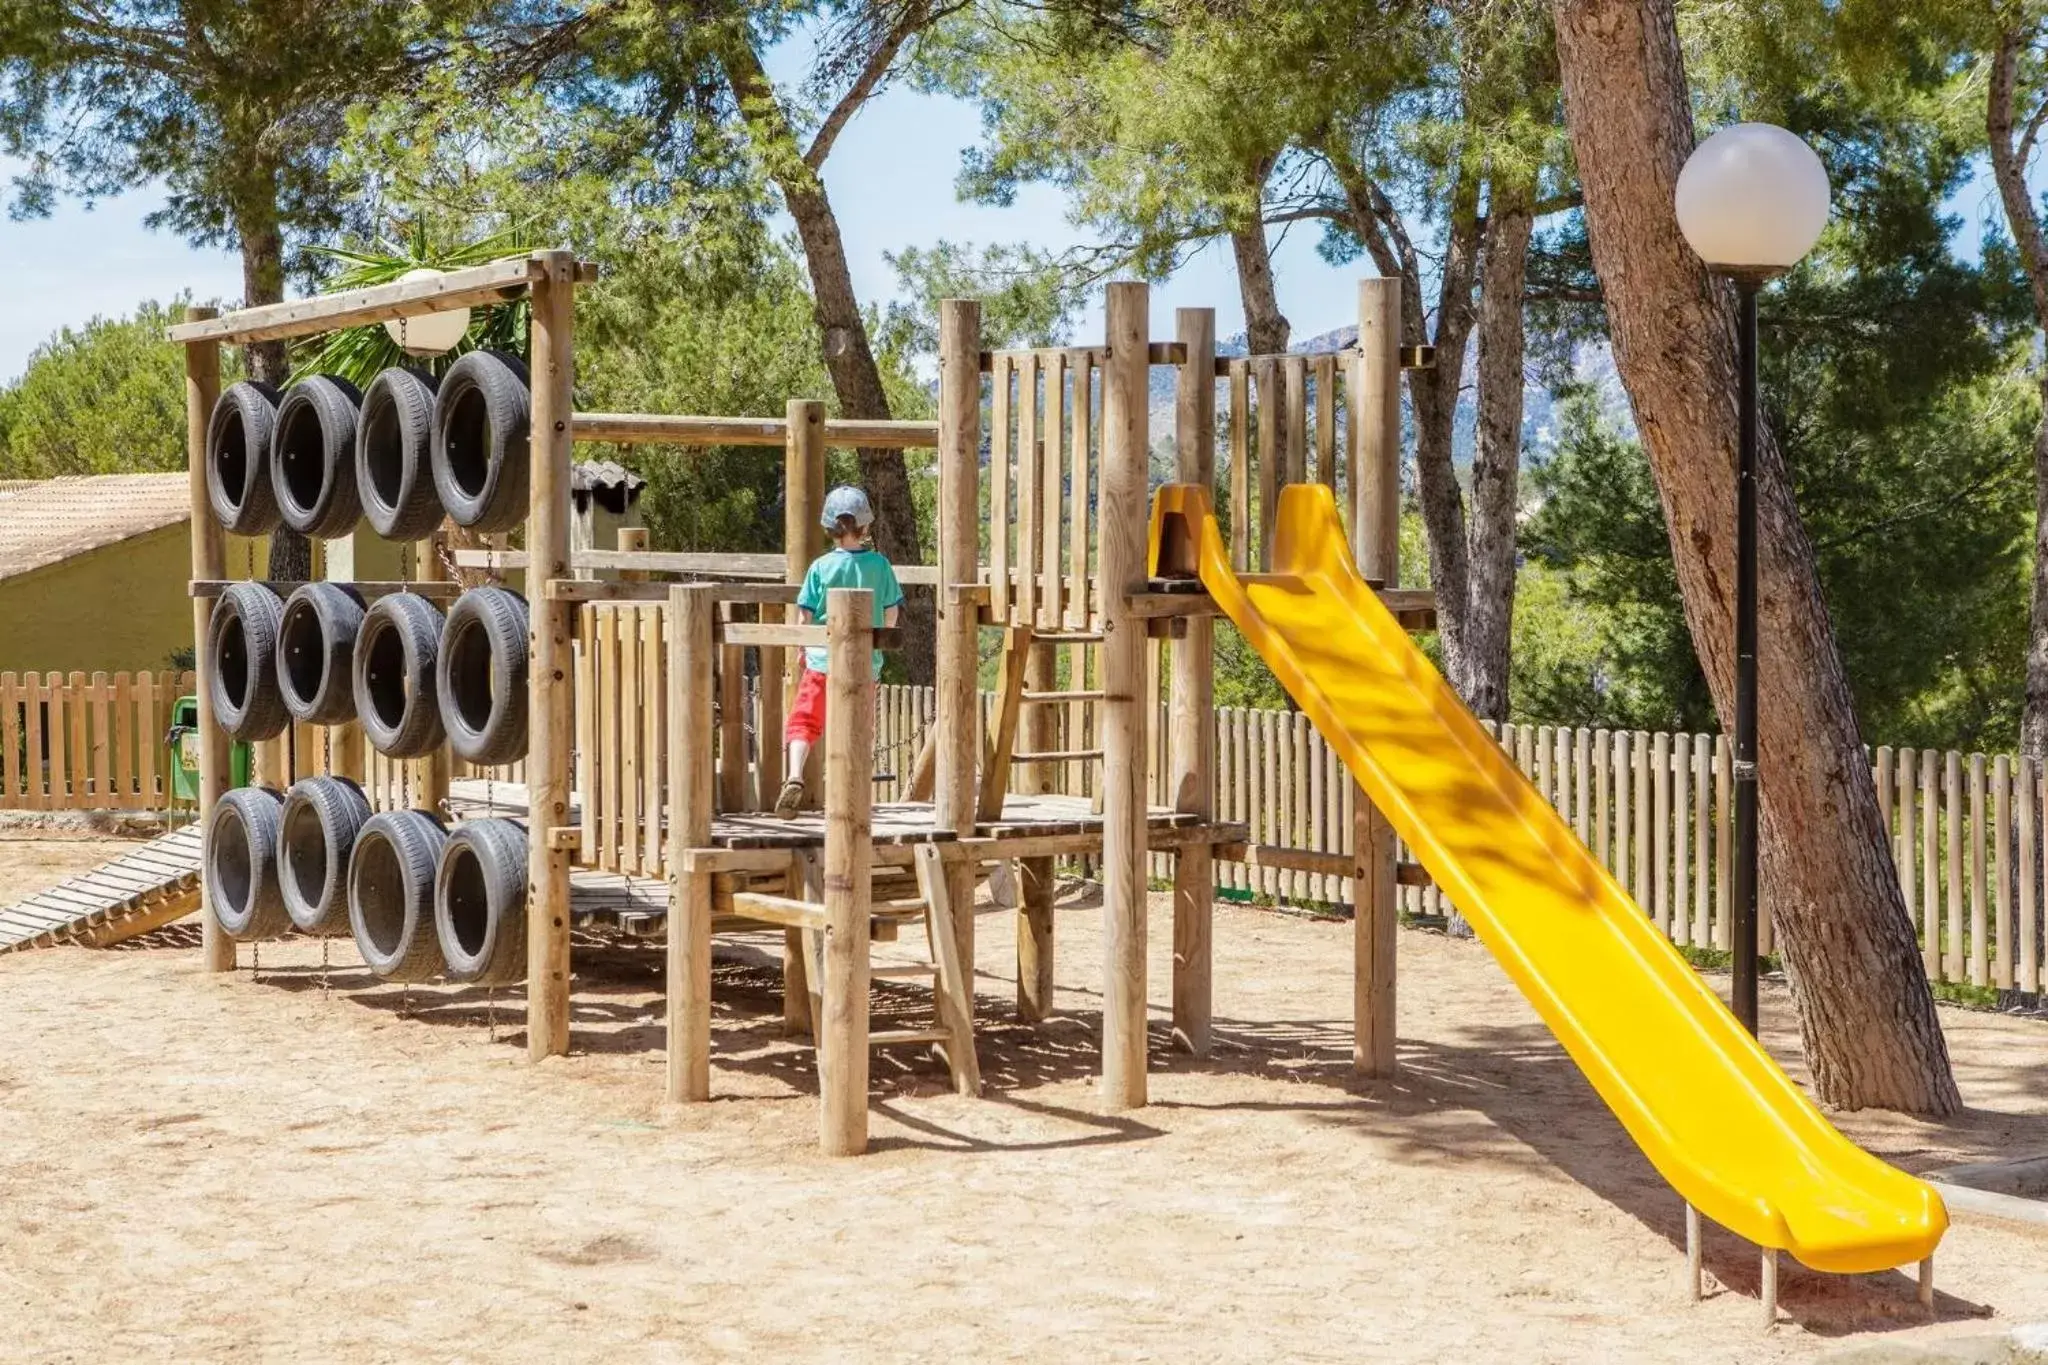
{"x": 1752, "y": 200}
{"x": 428, "y": 334}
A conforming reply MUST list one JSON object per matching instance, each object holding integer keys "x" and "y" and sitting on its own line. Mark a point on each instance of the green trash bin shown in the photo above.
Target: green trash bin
{"x": 184, "y": 746}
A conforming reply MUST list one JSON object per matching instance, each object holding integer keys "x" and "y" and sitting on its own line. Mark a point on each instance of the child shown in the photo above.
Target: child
{"x": 849, "y": 564}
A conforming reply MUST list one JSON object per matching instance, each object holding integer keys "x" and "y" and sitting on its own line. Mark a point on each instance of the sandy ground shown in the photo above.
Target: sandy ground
{"x": 266, "y": 1169}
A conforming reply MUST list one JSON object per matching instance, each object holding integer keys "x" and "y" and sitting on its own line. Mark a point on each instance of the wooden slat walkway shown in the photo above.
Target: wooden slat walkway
{"x": 144, "y": 888}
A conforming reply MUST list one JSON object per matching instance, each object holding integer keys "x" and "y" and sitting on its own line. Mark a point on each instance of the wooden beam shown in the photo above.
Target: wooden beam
{"x": 480, "y": 284}
{"x": 797, "y": 637}
{"x": 1414, "y": 608}
{"x": 1121, "y": 532}
{"x": 958, "y": 719}
{"x": 209, "y": 561}
{"x": 214, "y": 587}
{"x": 849, "y": 770}
{"x": 953, "y": 985}
{"x": 1156, "y": 353}
{"x": 634, "y": 428}
{"x": 550, "y": 694}
{"x": 690, "y": 693}
{"x": 788, "y": 911}
{"x": 1002, "y": 741}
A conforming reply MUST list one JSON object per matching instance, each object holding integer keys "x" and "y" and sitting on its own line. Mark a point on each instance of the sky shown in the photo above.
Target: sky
{"x": 891, "y": 179}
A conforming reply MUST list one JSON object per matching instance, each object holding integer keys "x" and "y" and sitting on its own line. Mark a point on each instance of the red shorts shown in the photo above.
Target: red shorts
{"x": 807, "y": 718}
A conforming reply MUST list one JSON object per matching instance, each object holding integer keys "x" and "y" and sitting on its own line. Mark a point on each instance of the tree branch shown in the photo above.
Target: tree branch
{"x": 916, "y": 17}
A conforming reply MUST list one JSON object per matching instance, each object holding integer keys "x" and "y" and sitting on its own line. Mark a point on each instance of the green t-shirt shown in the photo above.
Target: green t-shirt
{"x": 847, "y": 569}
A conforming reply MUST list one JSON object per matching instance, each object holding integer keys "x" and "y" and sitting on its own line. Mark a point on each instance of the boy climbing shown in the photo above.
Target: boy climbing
{"x": 848, "y": 564}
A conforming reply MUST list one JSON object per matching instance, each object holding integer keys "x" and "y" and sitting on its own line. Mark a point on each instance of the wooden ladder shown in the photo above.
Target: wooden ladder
{"x": 952, "y": 987}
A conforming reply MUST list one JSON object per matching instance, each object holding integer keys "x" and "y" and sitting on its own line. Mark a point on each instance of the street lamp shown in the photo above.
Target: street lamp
{"x": 1752, "y": 200}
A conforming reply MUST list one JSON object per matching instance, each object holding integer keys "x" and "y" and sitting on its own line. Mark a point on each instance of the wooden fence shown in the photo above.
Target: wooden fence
{"x": 82, "y": 741}
{"x": 1656, "y": 810}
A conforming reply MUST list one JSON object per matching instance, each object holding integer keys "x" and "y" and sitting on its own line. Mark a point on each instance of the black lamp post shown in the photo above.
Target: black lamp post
{"x": 1751, "y": 201}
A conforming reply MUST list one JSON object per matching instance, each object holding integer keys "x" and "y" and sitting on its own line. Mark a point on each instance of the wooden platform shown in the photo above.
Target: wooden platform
{"x": 141, "y": 890}
{"x": 898, "y": 826}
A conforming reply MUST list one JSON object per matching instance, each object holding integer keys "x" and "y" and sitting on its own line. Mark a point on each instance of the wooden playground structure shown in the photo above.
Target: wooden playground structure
{"x": 649, "y": 758}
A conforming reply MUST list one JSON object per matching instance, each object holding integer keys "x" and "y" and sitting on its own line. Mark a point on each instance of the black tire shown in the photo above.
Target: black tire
{"x": 313, "y": 457}
{"x": 241, "y": 663}
{"x": 393, "y": 674}
{"x": 482, "y": 416}
{"x": 480, "y": 902}
{"x": 238, "y": 436}
{"x": 391, "y": 894}
{"x": 242, "y": 890}
{"x": 394, "y": 455}
{"x": 481, "y": 676}
{"x": 316, "y": 650}
{"x": 316, "y": 835}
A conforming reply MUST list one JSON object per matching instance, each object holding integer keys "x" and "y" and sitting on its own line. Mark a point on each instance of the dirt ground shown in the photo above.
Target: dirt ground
{"x": 198, "y": 1168}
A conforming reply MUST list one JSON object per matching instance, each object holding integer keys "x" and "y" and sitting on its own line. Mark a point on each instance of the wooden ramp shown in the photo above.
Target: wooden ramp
{"x": 143, "y": 889}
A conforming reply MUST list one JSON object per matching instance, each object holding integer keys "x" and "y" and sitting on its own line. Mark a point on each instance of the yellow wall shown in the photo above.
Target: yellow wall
{"x": 125, "y": 607}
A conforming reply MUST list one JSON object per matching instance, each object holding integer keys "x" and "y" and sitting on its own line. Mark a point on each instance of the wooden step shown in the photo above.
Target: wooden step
{"x": 1053, "y": 698}
{"x": 903, "y": 971}
{"x": 1055, "y": 756}
{"x": 898, "y": 912}
{"x": 907, "y": 1035}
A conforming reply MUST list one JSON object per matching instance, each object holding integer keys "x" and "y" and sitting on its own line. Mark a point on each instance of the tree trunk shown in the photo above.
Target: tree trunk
{"x": 2022, "y": 216}
{"x": 1434, "y": 394}
{"x": 843, "y": 337}
{"x": 1496, "y": 465}
{"x": 262, "y": 242}
{"x": 1866, "y": 1014}
{"x": 1266, "y": 328}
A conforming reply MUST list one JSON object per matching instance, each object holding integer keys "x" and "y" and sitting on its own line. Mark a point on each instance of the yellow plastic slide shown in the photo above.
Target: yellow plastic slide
{"x": 1707, "y": 1105}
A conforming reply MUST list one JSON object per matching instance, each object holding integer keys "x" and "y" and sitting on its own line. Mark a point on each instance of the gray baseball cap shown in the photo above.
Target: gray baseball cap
{"x": 847, "y": 501}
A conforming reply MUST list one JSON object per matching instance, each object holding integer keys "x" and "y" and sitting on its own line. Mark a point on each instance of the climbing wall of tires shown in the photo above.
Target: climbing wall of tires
{"x": 421, "y": 899}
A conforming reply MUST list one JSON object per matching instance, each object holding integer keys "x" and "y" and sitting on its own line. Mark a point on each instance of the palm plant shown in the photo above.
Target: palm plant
{"x": 357, "y": 354}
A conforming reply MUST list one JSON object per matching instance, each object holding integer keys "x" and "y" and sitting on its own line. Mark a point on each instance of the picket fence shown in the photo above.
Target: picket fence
{"x": 1967, "y": 830}
{"x": 99, "y": 741}
{"x": 1656, "y": 809}
{"x": 78, "y": 741}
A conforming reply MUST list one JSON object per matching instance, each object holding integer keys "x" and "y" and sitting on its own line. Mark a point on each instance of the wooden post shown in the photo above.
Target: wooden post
{"x": 1692, "y": 1250}
{"x": 803, "y": 539}
{"x": 690, "y": 646}
{"x": 1121, "y": 533}
{"x": 1035, "y": 875}
{"x": 1034, "y": 939}
{"x": 209, "y": 560}
{"x": 1192, "y": 720}
{"x": 550, "y": 698}
{"x": 632, "y": 539}
{"x": 958, "y": 722}
{"x": 849, "y": 854}
{"x": 434, "y": 769}
{"x": 344, "y": 742}
{"x": 1376, "y": 543}
{"x": 732, "y": 721}
{"x": 806, "y": 882}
